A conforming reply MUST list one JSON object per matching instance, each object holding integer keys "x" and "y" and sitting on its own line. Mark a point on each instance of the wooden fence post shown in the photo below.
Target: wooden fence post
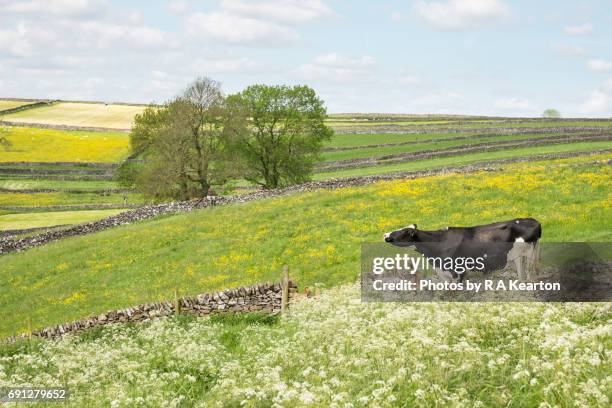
{"x": 285, "y": 289}
{"x": 177, "y": 302}
{"x": 30, "y": 327}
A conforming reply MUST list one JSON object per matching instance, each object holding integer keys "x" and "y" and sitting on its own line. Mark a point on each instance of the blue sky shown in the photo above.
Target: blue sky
{"x": 495, "y": 57}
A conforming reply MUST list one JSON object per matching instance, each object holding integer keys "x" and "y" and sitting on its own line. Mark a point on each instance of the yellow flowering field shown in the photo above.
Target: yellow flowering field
{"x": 63, "y": 198}
{"x": 79, "y": 114}
{"x": 318, "y": 234}
{"x": 50, "y": 145}
{"x": 9, "y": 104}
{"x": 27, "y": 220}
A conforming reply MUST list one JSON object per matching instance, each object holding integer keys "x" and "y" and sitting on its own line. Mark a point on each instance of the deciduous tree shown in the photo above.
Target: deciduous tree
{"x": 551, "y": 113}
{"x": 185, "y": 149}
{"x": 282, "y": 134}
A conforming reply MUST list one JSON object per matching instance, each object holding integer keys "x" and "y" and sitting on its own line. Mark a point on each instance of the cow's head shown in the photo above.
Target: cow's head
{"x": 402, "y": 236}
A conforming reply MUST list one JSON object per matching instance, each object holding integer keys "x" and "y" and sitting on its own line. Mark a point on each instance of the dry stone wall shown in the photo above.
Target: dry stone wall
{"x": 262, "y": 298}
{"x": 426, "y": 129}
{"x": 62, "y": 127}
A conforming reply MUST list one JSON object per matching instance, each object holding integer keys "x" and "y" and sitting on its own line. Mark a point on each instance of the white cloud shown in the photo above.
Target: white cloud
{"x": 178, "y": 6}
{"x": 56, "y": 7}
{"x": 224, "y": 65}
{"x": 598, "y": 65}
{"x": 514, "y": 104}
{"x": 235, "y": 29}
{"x": 104, "y": 35}
{"x": 337, "y": 67}
{"x": 461, "y": 14}
{"x": 581, "y": 29}
{"x": 336, "y": 60}
{"x": 608, "y": 85}
{"x": 597, "y": 102}
{"x": 283, "y": 11}
{"x": 256, "y": 23}
{"x": 61, "y": 37}
{"x": 24, "y": 40}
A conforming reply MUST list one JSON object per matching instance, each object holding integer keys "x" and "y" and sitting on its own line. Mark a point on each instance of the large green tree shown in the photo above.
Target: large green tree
{"x": 282, "y": 133}
{"x": 184, "y": 147}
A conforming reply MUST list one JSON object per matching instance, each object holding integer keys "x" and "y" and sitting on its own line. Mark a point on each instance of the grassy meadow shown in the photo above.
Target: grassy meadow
{"x": 79, "y": 114}
{"x": 51, "y": 145}
{"x": 318, "y": 234}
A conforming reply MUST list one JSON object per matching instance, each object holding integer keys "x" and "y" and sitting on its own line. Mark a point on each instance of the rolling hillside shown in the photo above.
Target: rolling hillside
{"x": 318, "y": 233}
{"x": 75, "y": 165}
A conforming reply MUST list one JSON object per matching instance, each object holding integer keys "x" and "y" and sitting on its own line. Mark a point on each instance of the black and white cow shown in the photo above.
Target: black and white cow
{"x": 496, "y": 241}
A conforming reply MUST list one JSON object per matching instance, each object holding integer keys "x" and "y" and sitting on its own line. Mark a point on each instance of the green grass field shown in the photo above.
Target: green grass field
{"x": 51, "y": 218}
{"x": 424, "y": 145}
{"x": 360, "y": 139}
{"x": 79, "y": 114}
{"x": 463, "y": 159}
{"x": 318, "y": 234}
{"x": 50, "y": 145}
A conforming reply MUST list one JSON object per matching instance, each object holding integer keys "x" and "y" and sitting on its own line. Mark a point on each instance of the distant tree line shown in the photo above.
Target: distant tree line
{"x": 551, "y": 114}
{"x": 270, "y": 136}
